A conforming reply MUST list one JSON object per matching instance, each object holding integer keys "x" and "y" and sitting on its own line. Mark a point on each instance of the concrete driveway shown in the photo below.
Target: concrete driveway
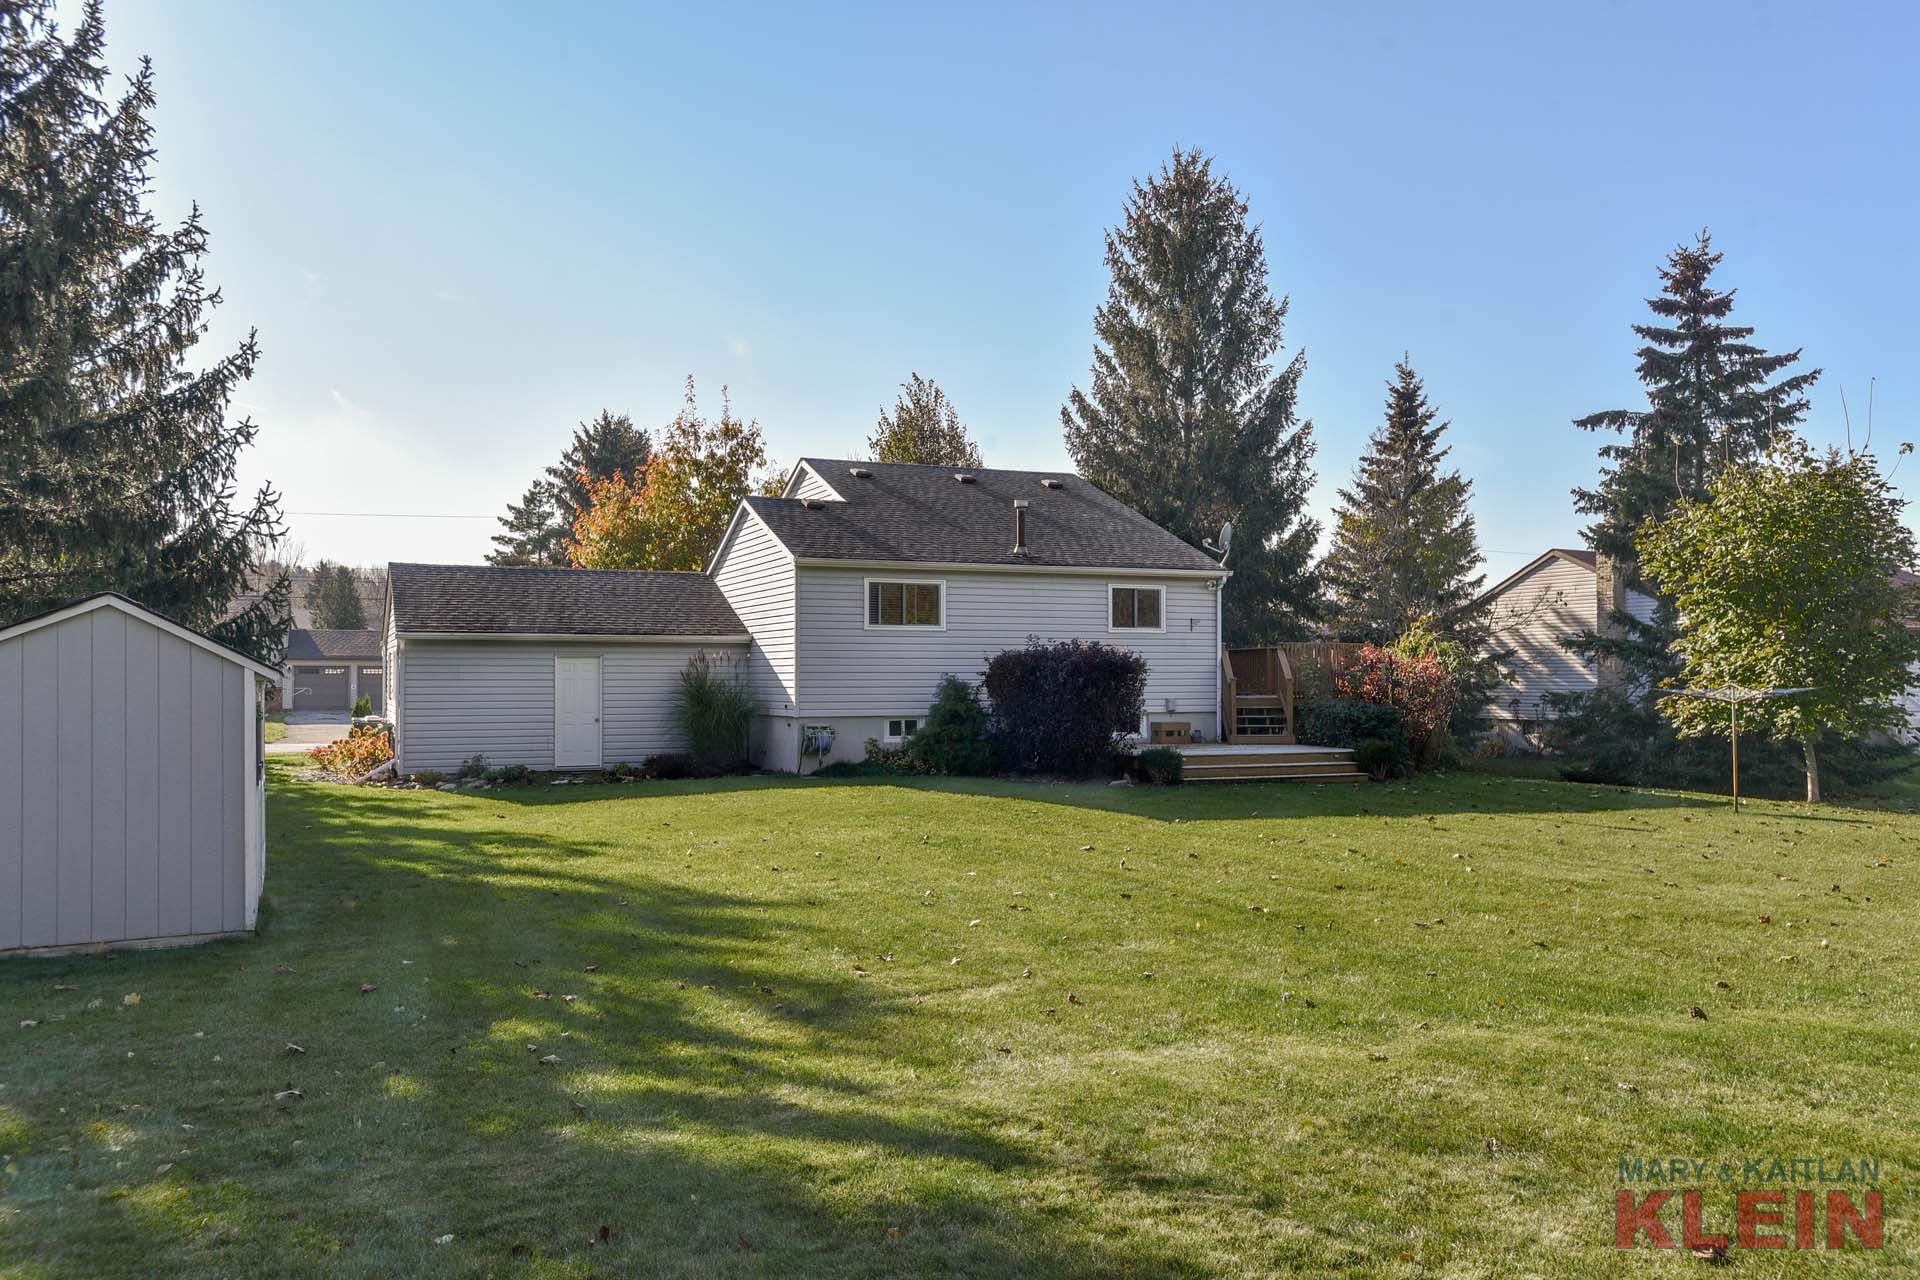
{"x": 309, "y": 729}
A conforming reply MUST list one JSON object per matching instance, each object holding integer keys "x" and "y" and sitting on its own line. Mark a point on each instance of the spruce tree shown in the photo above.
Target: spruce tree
{"x": 1187, "y": 420}
{"x": 1404, "y": 546}
{"x": 1711, "y": 404}
{"x": 538, "y": 528}
{"x": 923, "y": 427}
{"x": 532, "y": 533}
{"x": 333, "y": 598}
{"x": 117, "y": 459}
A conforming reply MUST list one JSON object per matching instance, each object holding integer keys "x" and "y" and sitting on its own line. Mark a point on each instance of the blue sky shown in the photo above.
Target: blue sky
{"x": 460, "y": 230}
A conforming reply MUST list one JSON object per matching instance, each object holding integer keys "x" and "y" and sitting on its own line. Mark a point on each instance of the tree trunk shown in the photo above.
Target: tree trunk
{"x": 1813, "y": 773}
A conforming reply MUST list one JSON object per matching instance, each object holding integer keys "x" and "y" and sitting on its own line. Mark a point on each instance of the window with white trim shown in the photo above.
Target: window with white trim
{"x": 1135, "y": 608}
{"x": 906, "y": 602}
{"x": 902, "y": 728}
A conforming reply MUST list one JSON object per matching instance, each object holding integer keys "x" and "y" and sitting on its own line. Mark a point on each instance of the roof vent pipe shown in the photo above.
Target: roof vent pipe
{"x": 1019, "y": 526}
{"x": 860, "y": 473}
{"x": 964, "y": 477}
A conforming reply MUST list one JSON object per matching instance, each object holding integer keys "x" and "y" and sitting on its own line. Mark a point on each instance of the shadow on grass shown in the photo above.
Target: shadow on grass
{"x": 720, "y": 1102}
{"x": 1449, "y": 792}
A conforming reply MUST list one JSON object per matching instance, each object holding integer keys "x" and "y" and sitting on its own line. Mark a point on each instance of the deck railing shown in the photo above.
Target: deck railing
{"x": 1256, "y": 683}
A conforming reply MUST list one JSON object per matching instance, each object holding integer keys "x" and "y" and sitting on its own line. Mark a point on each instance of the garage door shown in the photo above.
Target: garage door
{"x": 320, "y": 689}
{"x": 370, "y": 688}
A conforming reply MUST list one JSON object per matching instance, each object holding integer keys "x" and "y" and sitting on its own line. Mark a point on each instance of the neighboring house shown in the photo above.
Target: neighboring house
{"x": 132, "y": 782}
{"x": 330, "y": 670}
{"x": 844, "y": 602}
{"x": 1553, "y": 598}
{"x": 548, "y": 668}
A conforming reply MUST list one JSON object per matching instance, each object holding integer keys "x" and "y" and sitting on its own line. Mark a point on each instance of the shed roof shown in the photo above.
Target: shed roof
{"x": 133, "y": 608}
{"x": 471, "y": 599}
{"x": 914, "y": 513}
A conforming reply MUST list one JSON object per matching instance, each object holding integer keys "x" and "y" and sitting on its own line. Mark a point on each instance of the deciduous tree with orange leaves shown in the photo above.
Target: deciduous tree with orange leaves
{"x": 673, "y": 514}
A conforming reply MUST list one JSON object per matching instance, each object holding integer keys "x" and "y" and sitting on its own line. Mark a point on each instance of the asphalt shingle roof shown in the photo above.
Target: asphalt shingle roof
{"x": 914, "y": 513}
{"x": 496, "y": 600}
{"x": 314, "y": 645}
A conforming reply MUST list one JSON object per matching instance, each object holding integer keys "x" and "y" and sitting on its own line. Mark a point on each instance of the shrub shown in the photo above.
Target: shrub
{"x": 1343, "y": 722}
{"x": 713, "y": 711}
{"x": 429, "y": 777}
{"x": 668, "y": 766}
{"x": 1062, "y": 707}
{"x": 883, "y": 758}
{"x": 954, "y": 737}
{"x": 513, "y": 775}
{"x": 1159, "y": 767}
{"x": 1417, "y": 687}
{"x": 362, "y": 707}
{"x": 359, "y": 751}
{"x": 472, "y": 768}
{"x": 1375, "y": 757}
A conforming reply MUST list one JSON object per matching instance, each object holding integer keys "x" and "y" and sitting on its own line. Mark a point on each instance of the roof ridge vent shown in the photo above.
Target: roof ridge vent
{"x": 860, "y": 473}
{"x": 966, "y": 477}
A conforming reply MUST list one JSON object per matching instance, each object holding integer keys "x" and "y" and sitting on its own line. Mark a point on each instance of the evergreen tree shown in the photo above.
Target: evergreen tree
{"x": 1186, "y": 421}
{"x": 538, "y": 528}
{"x": 1710, "y": 405}
{"x": 532, "y": 531}
{"x": 923, "y": 427}
{"x": 1404, "y": 546}
{"x": 333, "y": 598}
{"x": 117, "y": 459}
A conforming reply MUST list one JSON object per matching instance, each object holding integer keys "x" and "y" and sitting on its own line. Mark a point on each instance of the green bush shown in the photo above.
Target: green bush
{"x": 429, "y": 777}
{"x": 882, "y": 758}
{"x": 1159, "y": 767}
{"x": 954, "y": 737}
{"x": 1374, "y": 757}
{"x": 1342, "y": 722}
{"x": 512, "y": 775}
{"x": 362, "y": 706}
{"x": 474, "y": 767}
{"x": 713, "y": 712}
{"x": 668, "y": 766}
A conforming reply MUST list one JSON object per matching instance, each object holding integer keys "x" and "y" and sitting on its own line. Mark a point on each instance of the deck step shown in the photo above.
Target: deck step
{"x": 1349, "y": 775}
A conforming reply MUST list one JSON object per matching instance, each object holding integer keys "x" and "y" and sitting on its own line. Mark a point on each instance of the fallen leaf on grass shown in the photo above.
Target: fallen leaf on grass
{"x": 550, "y": 1060}
{"x": 1699, "y": 1013}
{"x": 131, "y": 998}
{"x": 368, "y": 988}
{"x": 285, "y": 1094}
{"x": 294, "y": 1048}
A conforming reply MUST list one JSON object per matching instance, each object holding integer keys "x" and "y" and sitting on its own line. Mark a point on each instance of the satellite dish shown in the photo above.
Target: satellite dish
{"x": 1226, "y": 536}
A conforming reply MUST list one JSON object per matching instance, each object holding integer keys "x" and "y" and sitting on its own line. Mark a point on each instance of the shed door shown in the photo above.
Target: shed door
{"x": 576, "y": 713}
{"x": 320, "y": 689}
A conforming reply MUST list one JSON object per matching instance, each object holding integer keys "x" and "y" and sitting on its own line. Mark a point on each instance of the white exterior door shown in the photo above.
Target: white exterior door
{"x": 576, "y": 713}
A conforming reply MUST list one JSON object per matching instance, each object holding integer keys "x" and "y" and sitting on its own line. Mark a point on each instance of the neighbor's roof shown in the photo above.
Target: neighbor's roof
{"x": 307, "y": 646}
{"x": 1579, "y": 556}
{"x": 912, "y": 513}
{"x": 470, "y": 599}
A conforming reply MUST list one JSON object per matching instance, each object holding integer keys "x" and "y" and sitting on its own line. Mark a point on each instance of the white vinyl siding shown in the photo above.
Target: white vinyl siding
{"x": 495, "y": 698}
{"x": 809, "y": 485}
{"x": 756, "y": 575}
{"x": 1531, "y": 618}
{"x": 847, "y": 668}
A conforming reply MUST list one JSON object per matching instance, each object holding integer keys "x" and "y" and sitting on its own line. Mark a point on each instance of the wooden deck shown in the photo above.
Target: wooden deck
{"x": 1272, "y": 762}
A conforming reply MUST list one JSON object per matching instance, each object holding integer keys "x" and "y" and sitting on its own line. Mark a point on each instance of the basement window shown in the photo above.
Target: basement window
{"x": 906, "y": 603}
{"x": 901, "y": 729}
{"x": 1134, "y": 609}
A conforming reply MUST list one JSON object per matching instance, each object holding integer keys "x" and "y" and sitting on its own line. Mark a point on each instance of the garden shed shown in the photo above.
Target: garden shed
{"x": 132, "y": 784}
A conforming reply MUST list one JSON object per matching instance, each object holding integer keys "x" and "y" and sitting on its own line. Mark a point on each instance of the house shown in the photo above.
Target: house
{"x": 1554, "y": 597}
{"x": 134, "y": 783}
{"x": 843, "y": 602}
{"x": 330, "y": 670}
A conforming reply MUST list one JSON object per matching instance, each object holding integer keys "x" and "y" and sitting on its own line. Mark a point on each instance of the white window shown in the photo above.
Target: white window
{"x": 1134, "y": 609}
{"x": 903, "y": 728}
{"x": 907, "y": 602}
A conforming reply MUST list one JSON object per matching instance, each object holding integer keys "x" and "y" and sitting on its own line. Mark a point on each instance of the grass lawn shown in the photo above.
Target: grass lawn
{"x": 276, "y": 727}
{"x": 784, "y": 1028}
